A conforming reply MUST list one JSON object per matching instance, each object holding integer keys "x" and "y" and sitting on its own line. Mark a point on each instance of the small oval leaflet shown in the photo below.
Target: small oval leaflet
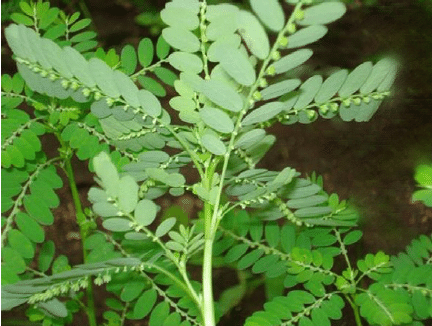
{"x": 331, "y": 86}
{"x": 181, "y": 39}
{"x": 107, "y": 172}
{"x": 308, "y": 91}
{"x": 236, "y": 64}
{"x": 217, "y": 119}
{"x": 306, "y": 36}
{"x": 222, "y": 95}
{"x": 149, "y": 103}
{"x": 280, "y": 88}
{"x": 145, "y": 52}
{"x": 263, "y": 113}
{"x": 253, "y": 34}
{"x": 117, "y": 224}
{"x": 292, "y": 60}
{"x": 378, "y": 74}
{"x": 128, "y": 196}
{"x": 184, "y": 61}
{"x": 323, "y": 13}
{"x": 145, "y": 212}
{"x": 104, "y": 77}
{"x": 180, "y": 18}
{"x": 213, "y": 144}
{"x": 356, "y": 79}
{"x": 270, "y": 12}
{"x": 129, "y": 59}
{"x": 165, "y": 226}
{"x": 251, "y": 137}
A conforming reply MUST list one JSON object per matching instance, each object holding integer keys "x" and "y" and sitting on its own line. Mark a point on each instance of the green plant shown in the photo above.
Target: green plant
{"x": 230, "y": 83}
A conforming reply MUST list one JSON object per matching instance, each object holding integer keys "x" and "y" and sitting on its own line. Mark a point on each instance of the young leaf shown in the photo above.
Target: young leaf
{"x": 165, "y": 226}
{"x": 253, "y": 34}
{"x": 270, "y": 12}
{"x": 217, "y": 119}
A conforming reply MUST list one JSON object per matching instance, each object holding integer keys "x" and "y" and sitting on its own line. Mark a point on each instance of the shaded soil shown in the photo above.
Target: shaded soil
{"x": 370, "y": 163}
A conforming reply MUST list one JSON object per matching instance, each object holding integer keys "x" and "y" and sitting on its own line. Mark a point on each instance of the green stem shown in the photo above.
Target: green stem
{"x": 355, "y": 310}
{"x": 83, "y": 225}
{"x": 207, "y": 308}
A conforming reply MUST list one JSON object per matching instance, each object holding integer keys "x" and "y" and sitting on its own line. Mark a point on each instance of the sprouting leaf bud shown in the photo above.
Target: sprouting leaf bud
{"x": 299, "y": 14}
{"x": 263, "y": 82}
{"x": 65, "y": 83}
{"x": 357, "y": 101}
{"x": 271, "y": 70}
{"x": 377, "y": 96}
{"x": 324, "y": 108}
{"x": 311, "y": 114}
{"x": 44, "y": 73}
{"x": 257, "y": 96}
{"x": 346, "y": 102}
{"x": 74, "y": 85}
{"x": 86, "y": 92}
{"x": 97, "y": 96}
{"x": 366, "y": 99}
{"x": 110, "y": 101}
{"x": 283, "y": 41}
{"x": 334, "y": 106}
{"x": 276, "y": 55}
{"x": 291, "y": 28}
{"x": 52, "y": 77}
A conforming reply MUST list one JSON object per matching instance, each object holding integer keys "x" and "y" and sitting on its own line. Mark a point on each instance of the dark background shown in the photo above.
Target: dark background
{"x": 371, "y": 164}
